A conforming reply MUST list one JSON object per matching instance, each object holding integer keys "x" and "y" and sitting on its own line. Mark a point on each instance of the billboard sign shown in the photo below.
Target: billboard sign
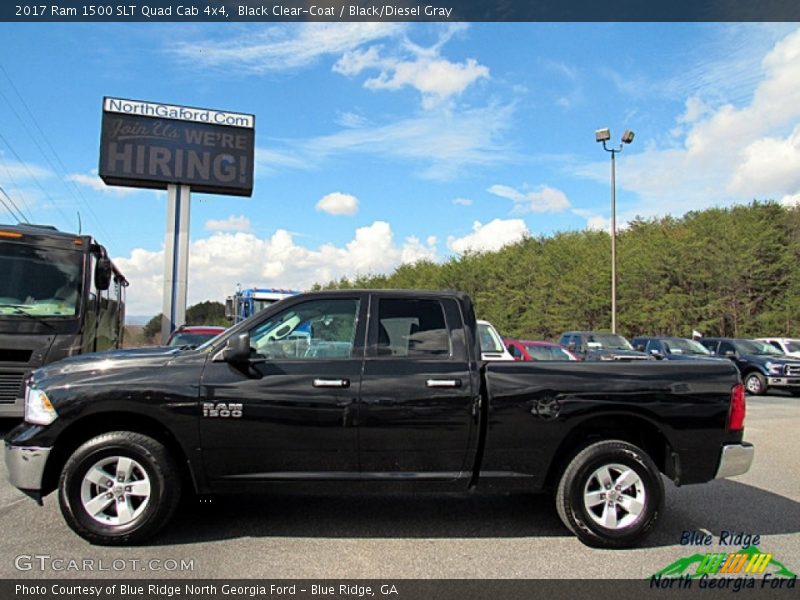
{"x": 152, "y": 145}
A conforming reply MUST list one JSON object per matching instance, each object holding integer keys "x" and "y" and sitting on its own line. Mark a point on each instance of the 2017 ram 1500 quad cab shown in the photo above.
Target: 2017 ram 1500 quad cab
{"x": 386, "y": 390}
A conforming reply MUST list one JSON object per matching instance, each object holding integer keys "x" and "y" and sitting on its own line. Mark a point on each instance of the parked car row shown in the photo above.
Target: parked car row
{"x": 764, "y": 363}
{"x": 537, "y": 350}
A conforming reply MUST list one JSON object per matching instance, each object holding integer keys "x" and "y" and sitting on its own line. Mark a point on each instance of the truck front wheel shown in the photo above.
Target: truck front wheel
{"x": 755, "y": 384}
{"x": 610, "y": 495}
{"x": 119, "y": 488}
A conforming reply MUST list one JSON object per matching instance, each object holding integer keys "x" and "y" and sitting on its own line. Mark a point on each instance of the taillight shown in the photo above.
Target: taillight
{"x": 737, "y": 409}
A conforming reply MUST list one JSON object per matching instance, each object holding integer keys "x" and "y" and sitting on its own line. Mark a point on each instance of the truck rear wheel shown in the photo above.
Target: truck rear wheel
{"x": 610, "y": 495}
{"x": 119, "y": 488}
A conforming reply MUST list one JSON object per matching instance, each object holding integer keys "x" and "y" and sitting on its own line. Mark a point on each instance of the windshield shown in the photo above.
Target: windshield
{"x": 489, "y": 340}
{"x": 259, "y": 305}
{"x": 608, "y": 340}
{"x": 793, "y": 346}
{"x": 39, "y": 281}
{"x": 684, "y": 346}
{"x": 547, "y": 352}
{"x": 757, "y": 348}
{"x": 191, "y": 339}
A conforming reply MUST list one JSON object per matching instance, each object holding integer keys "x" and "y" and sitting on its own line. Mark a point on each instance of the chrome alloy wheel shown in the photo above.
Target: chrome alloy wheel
{"x": 115, "y": 490}
{"x": 753, "y": 385}
{"x": 614, "y": 496}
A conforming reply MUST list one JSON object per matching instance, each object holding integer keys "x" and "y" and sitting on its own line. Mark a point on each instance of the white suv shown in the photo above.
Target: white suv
{"x": 789, "y": 346}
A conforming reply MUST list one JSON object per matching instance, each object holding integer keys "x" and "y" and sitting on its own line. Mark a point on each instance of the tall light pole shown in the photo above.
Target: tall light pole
{"x": 603, "y": 135}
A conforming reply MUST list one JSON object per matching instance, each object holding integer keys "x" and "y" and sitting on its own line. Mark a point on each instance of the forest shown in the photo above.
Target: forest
{"x": 722, "y": 271}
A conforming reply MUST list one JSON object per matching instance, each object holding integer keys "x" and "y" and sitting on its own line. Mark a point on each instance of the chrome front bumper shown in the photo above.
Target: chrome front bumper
{"x": 26, "y": 466}
{"x": 735, "y": 459}
{"x": 784, "y": 381}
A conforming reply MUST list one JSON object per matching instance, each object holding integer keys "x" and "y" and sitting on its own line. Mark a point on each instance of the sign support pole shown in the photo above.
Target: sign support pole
{"x": 176, "y": 259}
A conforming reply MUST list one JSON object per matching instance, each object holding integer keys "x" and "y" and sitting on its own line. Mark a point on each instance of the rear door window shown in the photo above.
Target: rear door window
{"x": 711, "y": 345}
{"x": 411, "y": 328}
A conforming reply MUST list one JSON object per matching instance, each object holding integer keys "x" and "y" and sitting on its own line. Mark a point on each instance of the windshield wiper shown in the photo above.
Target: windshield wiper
{"x": 18, "y": 310}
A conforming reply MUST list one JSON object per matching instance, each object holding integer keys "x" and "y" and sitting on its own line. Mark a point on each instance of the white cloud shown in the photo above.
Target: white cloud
{"x": 422, "y": 68}
{"x": 728, "y": 153}
{"x": 543, "y": 199}
{"x": 442, "y": 142}
{"x": 793, "y": 200}
{"x": 280, "y": 48}
{"x": 594, "y": 221}
{"x": 93, "y": 181}
{"x": 489, "y": 237}
{"x": 695, "y": 110}
{"x": 355, "y": 61}
{"x": 337, "y": 203}
{"x": 15, "y": 172}
{"x": 270, "y": 161}
{"x": 351, "y": 119}
{"x": 769, "y": 164}
{"x": 437, "y": 80}
{"x": 445, "y": 142}
{"x": 598, "y": 223}
{"x": 414, "y": 250}
{"x": 232, "y": 223}
{"x": 462, "y": 201}
{"x": 217, "y": 263}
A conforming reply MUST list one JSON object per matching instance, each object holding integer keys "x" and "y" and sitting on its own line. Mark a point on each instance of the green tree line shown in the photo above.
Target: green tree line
{"x": 722, "y": 271}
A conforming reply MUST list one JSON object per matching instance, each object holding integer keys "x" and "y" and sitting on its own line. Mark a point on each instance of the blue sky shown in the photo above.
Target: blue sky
{"x": 382, "y": 143}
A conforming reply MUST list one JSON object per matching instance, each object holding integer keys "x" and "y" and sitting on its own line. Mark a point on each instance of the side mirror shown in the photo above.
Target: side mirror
{"x": 237, "y": 349}
{"x": 571, "y": 346}
{"x": 102, "y": 274}
{"x": 656, "y": 353}
{"x": 729, "y": 354}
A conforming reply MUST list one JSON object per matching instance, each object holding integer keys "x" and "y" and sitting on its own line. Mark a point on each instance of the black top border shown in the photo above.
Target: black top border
{"x": 400, "y": 10}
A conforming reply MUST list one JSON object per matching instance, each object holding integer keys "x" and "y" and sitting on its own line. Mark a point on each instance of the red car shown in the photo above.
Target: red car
{"x": 536, "y": 350}
{"x": 193, "y": 335}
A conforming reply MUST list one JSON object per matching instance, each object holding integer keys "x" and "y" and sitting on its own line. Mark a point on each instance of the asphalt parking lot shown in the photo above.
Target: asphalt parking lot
{"x": 430, "y": 536}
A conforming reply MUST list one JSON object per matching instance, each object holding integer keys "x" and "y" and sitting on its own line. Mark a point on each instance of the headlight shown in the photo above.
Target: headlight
{"x": 38, "y": 409}
{"x": 774, "y": 368}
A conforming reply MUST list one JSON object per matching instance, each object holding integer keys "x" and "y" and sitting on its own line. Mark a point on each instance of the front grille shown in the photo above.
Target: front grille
{"x": 793, "y": 370}
{"x": 11, "y": 386}
{"x": 10, "y": 355}
{"x": 627, "y": 358}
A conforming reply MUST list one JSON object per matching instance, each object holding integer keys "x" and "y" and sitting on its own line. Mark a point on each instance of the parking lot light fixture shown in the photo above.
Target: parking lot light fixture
{"x": 603, "y": 136}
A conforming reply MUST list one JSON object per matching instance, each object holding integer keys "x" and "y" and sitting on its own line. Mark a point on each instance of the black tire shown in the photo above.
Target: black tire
{"x": 580, "y": 479}
{"x": 145, "y": 466}
{"x": 755, "y": 384}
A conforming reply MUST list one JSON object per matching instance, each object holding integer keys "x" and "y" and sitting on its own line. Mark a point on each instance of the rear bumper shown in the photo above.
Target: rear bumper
{"x": 735, "y": 459}
{"x": 26, "y": 466}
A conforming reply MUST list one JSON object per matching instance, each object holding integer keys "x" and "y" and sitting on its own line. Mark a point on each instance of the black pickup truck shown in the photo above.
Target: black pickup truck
{"x": 369, "y": 390}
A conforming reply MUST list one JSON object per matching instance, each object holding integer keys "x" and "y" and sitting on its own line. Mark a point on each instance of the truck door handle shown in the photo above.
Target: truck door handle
{"x": 331, "y": 383}
{"x": 443, "y": 383}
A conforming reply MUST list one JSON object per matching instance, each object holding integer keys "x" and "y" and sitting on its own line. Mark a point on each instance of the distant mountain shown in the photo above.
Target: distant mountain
{"x": 137, "y": 319}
